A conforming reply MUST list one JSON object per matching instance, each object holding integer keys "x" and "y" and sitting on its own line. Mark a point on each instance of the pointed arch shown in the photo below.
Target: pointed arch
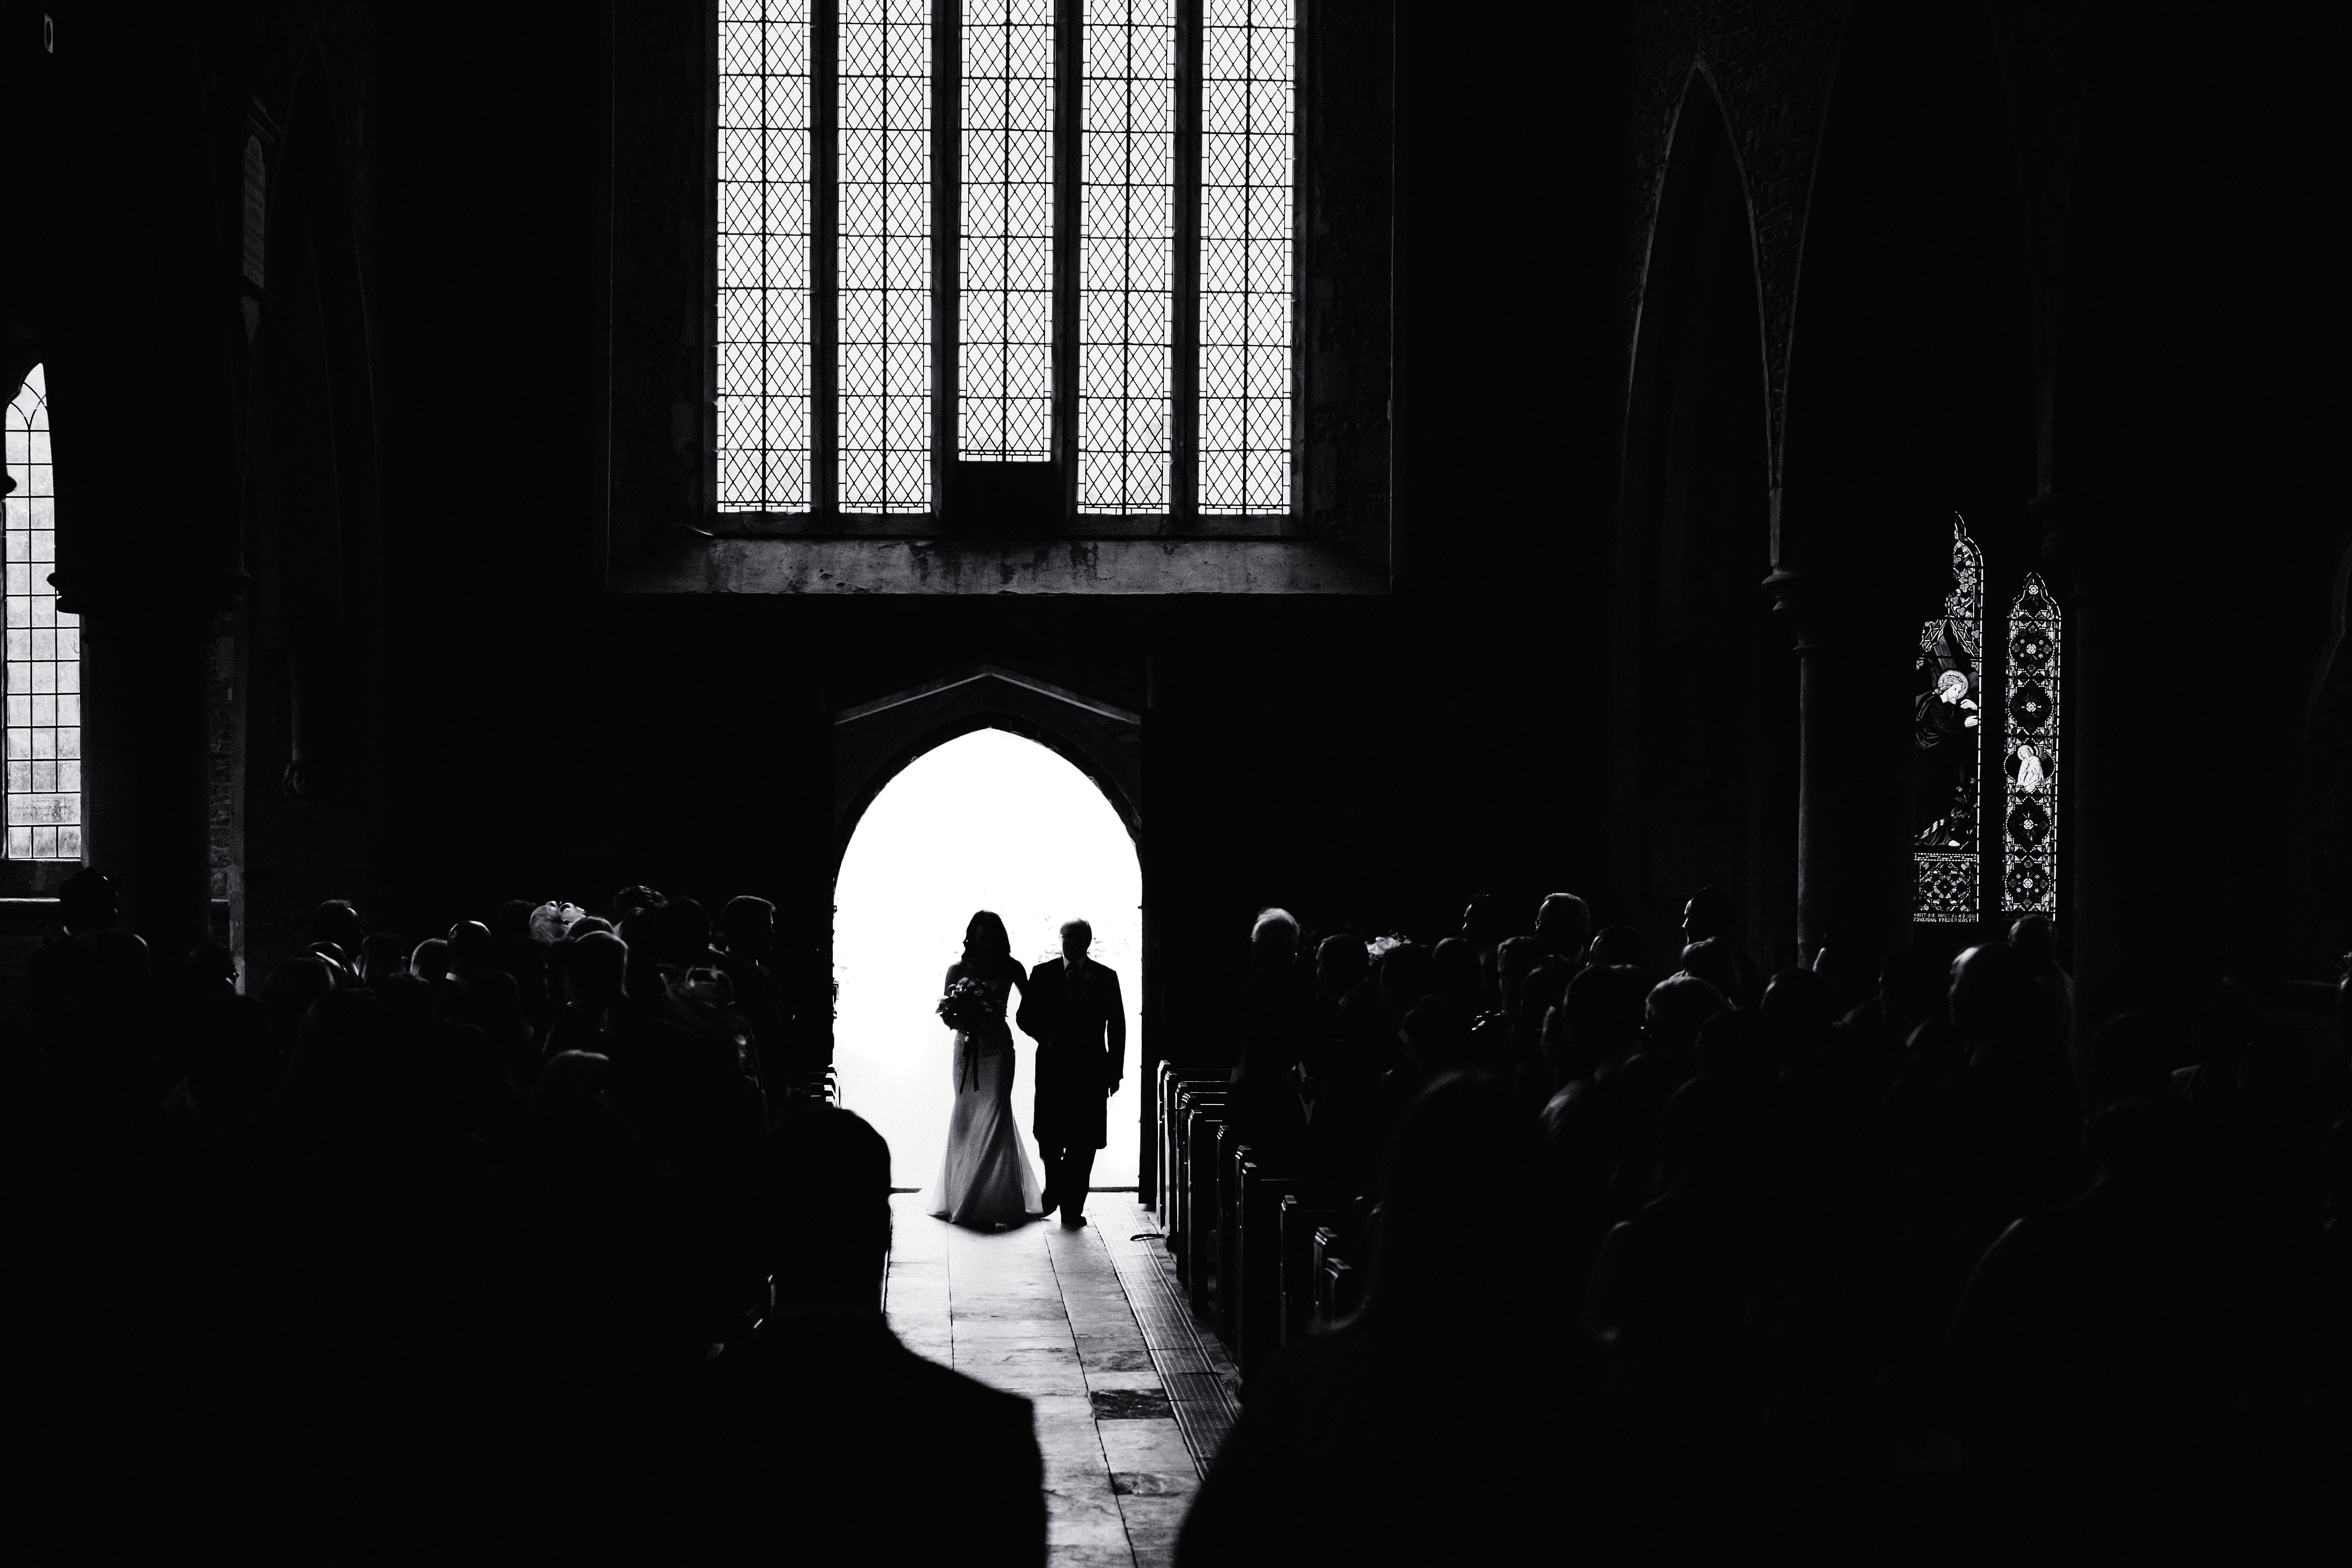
{"x": 1704, "y": 771}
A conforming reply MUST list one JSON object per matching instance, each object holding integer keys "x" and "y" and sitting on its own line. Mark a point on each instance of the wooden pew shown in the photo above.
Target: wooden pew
{"x": 1170, "y": 1133}
{"x": 1199, "y": 1203}
{"x": 1298, "y": 1218}
{"x": 1191, "y": 1099}
{"x": 1232, "y": 1150}
{"x": 1257, "y": 1263}
{"x": 1339, "y": 1284}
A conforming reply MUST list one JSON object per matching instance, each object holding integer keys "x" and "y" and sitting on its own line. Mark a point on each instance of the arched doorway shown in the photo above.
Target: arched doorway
{"x": 986, "y": 820}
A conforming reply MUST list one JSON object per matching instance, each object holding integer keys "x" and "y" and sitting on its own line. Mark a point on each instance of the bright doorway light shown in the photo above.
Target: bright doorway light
{"x": 988, "y": 821}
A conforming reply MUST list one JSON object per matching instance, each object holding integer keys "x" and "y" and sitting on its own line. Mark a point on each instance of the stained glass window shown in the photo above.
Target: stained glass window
{"x": 44, "y": 659}
{"x": 886, "y": 255}
{"x": 2030, "y": 817}
{"x": 1004, "y": 382}
{"x": 1248, "y": 94}
{"x": 765, "y": 307}
{"x": 1127, "y": 243}
{"x": 1948, "y": 732}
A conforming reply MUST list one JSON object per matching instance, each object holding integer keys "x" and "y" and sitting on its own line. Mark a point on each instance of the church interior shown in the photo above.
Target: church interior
{"x": 1601, "y": 557}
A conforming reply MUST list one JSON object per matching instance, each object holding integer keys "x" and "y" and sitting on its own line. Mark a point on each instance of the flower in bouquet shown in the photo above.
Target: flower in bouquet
{"x": 965, "y": 1004}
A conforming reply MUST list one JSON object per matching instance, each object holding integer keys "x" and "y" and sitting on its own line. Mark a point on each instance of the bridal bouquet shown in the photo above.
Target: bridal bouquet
{"x": 965, "y": 1005}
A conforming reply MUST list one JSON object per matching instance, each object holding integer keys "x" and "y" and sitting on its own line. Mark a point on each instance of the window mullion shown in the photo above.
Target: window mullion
{"x": 947, "y": 236}
{"x": 1185, "y": 365}
{"x": 825, "y": 260}
{"x": 1070, "y": 19}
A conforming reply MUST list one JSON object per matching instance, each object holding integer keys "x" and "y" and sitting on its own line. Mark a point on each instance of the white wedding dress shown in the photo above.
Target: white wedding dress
{"x": 984, "y": 1176}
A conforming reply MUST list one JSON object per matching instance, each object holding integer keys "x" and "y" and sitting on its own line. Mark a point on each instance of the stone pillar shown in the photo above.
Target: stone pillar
{"x": 1854, "y": 844}
{"x": 145, "y": 802}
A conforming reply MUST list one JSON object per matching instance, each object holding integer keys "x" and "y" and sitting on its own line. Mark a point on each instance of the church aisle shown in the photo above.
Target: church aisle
{"x": 1040, "y": 1311}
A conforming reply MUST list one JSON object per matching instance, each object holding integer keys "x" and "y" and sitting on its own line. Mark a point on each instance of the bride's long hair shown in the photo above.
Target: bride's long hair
{"x": 984, "y": 939}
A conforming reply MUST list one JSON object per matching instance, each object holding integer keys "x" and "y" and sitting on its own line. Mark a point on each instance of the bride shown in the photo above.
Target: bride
{"x": 984, "y": 1178}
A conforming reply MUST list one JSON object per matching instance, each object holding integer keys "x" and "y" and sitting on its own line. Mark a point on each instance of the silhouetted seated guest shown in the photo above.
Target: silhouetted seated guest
{"x": 1440, "y": 1423}
{"x": 1338, "y": 1072}
{"x": 1911, "y": 988}
{"x": 813, "y": 1430}
{"x": 1671, "y": 1016}
{"x": 747, "y": 933}
{"x": 1846, "y": 967}
{"x": 336, "y": 935}
{"x": 232, "y": 1070}
{"x": 1454, "y": 973}
{"x": 1799, "y": 1008}
{"x": 2034, "y": 942}
{"x": 2132, "y": 1366}
{"x": 1710, "y": 917}
{"x": 1483, "y": 929}
{"x": 1274, "y": 1019}
{"x": 430, "y": 962}
{"x": 1716, "y": 962}
{"x": 293, "y": 986}
{"x": 1563, "y": 926}
{"x": 1738, "y": 1045}
{"x": 86, "y": 902}
{"x": 594, "y": 965}
{"x": 1618, "y": 945}
{"x": 2133, "y": 1055}
{"x": 517, "y": 951}
{"x": 2017, "y": 1117}
{"x": 383, "y": 954}
{"x": 209, "y": 970}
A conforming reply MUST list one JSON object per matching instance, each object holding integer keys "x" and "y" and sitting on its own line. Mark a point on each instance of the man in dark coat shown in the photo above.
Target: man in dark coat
{"x": 1071, "y": 1007}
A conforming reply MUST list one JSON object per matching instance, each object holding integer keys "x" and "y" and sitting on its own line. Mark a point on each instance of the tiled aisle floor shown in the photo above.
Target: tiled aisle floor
{"x": 1041, "y": 1311}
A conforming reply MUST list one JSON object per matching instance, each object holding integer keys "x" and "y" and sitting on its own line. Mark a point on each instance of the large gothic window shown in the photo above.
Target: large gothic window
{"x": 1052, "y": 234}
{"x": 44, "y": 655}
{"x": 1948, "y": 728}
{"x": 2029, "y": 814}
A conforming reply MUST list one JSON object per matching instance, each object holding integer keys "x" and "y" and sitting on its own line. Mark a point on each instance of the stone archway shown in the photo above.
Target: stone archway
{"x": 875, "y": 742}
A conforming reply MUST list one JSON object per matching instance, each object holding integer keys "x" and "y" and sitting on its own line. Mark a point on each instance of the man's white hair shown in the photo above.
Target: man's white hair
{"x": 1277, "y": 920}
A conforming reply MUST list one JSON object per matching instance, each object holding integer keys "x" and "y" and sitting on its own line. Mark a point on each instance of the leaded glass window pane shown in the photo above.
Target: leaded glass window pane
{"x": 886, "y": 255}
{"x": 1004, "y": 373}
{"x": 1948, "y": 732}
{"x": 1247, "y": 113}
{"x": 765, "y": 413}
{"x": 42, "y": 766}
{"x": 2029, "y": 792}
{"x": 1127, "y": 94}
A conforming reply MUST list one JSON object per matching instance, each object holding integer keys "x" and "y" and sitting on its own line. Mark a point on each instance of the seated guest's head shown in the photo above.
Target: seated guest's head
{"x": 1736, "y": 1044}
{"x": 1798, "y": 1008}
{"x": 1707, "y": 914}
{"x": 1843, "y": 964}
{"x": 2132, "y": 1056}
{"x": 1713, "y": 961}
{"x": 594, "y": 965}
{"x": 1602, "y": 1013}
{"x": 209, "y": 970}
{"x": 342, "y": 1053}
{"x": 1564, "y": 923}
{"x": 587, "y": 924}
{"x": 1443, "y": 1248}
{"x": 551, "y": 921}
{"x": 2035, "y": 942}
{"x": 1436, "y": 1035}
{"x": 1406, "y": 976}
{"x": 338, "y": 922}
{"x": 86, "y": 902}
{"x": 1483, "y": 924}
{"x": 685, "y": 933}
{"x": 511, "y": 921}
{"x": 1672, "y": 1014}
{"x": 1616, "y": 945}
{"x": 382, "y": 953}
{"x": 431, "y": 959}
{"x": 1454, "y": 966}
{"x": 1910, "y": 991}
{"x": 630, "y": 899}
{"x": 748, "y": 926}
{"x": 291, "y": 990}
{"x": 108, "y": 970}
{"x": 472, "y": 950}
{"x": 1274, "y": 940}
{"x": 1340, "y": 965}
{"x": 829, "y": 1196}
{"x": 1991, "y": 996}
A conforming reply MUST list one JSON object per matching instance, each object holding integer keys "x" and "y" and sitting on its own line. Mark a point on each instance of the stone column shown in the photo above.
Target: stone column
{"x": 1854, "y": 849}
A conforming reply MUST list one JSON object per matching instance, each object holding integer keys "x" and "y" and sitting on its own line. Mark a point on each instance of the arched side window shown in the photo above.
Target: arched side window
{"x": 43, "y": 770}
{"x": 1948, "y": 727}
{"x": 947, "y": 239}
{"x": 2029, "y": 814}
